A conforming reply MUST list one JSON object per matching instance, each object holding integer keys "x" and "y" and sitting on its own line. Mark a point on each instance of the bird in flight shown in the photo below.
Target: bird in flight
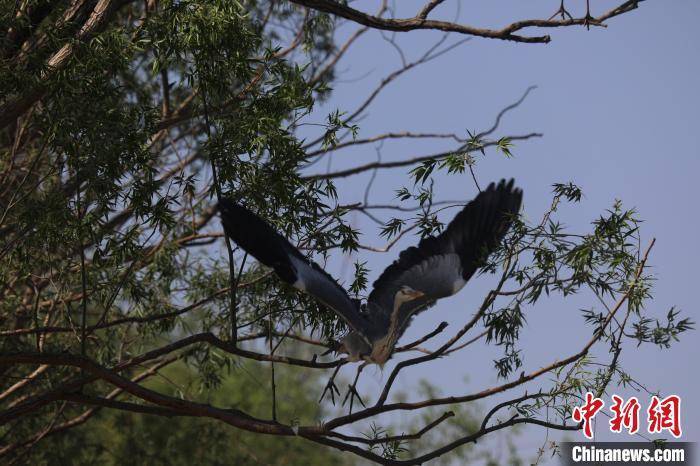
{"x": 439, "y": 266}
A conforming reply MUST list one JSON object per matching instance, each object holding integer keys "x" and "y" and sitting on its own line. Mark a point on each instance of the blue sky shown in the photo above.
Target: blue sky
{"x": 619, "y": 110}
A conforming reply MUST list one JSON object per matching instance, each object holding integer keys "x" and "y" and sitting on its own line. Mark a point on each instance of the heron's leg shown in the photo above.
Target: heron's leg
{"x": 331, "y": 386}
{"x": 562, "y": 11}
{"x": 352, "y": 389}
{"x": 588, "y": 20}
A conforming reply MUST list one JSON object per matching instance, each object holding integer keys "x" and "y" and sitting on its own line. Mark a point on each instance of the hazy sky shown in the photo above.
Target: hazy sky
{"x": 619, "y": 111}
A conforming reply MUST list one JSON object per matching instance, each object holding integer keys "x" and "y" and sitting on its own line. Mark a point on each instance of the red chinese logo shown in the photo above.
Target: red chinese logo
{"x": 662, "y": 414}
{"x": 665, "y": 415}
{"x": 626, "y": 415}
{"x": 587, "y": 412}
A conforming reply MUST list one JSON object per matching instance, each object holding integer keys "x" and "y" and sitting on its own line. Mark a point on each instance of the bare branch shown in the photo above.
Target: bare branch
{"x": 403, "y": 163}
{"x": 420, "y": 21}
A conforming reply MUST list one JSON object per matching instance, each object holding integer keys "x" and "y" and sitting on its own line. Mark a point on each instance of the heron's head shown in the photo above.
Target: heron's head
{"x": 406, "y": 294}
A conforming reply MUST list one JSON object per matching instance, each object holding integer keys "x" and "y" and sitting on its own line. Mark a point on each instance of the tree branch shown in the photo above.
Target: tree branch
{"x": 420, "y": 21}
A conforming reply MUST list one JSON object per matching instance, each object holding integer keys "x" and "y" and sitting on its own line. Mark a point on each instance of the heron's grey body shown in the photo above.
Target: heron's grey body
{"x": 437, "y": 267}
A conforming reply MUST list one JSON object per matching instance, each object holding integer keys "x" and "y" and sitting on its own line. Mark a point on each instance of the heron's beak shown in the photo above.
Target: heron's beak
{"x": 415, "y": 294}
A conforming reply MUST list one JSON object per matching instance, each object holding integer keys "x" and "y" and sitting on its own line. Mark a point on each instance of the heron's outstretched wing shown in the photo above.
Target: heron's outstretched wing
{"x": 440, "y": 266}
{"x": 261, "y": 241}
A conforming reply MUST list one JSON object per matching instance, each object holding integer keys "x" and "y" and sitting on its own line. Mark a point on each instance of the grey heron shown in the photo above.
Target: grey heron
{"x": 439, "y": 266}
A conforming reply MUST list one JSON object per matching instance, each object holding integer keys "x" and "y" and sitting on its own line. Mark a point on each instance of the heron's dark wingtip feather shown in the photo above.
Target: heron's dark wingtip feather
{"x": 473, "y": 233}
{"x": 261, "y": 241}
{"x": 257, "y": 238}
{"x": 481, "y": 225}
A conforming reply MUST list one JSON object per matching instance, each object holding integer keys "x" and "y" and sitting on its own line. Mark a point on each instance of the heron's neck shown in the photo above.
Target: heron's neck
{"x": 392, "y": 334}
{"x": 395, "y": 313}
{"x": 384, "y": 347}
